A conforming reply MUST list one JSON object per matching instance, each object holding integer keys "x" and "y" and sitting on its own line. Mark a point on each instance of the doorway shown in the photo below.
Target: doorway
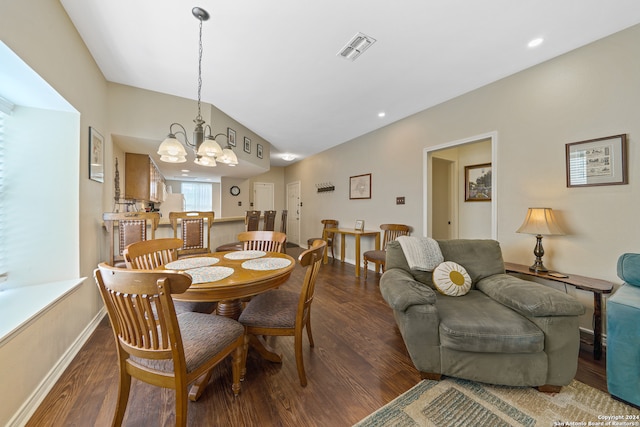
{"x": 433, "y": 189}
{"x": 263, "y": 196}
{"x": 294, "y": 212}
{"x": 444, "y": 207}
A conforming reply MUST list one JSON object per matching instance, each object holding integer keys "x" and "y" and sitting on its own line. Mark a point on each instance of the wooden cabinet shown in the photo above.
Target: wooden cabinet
{"x": 142, "y": 180}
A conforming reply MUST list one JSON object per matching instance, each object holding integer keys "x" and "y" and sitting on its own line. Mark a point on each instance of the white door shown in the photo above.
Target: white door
{"x": 263, "y": 196}
{"x": 294, "y": 212}
{"x": 442, "y": 199}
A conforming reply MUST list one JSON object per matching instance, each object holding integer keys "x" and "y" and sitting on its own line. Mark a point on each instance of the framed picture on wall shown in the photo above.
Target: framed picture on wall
{"x": 96, "y": 155}
{"x": 360, "y": 186}
{"x": 601, "y": 161}
{"x": 231, "y": 137}
{"x": 259, "y": 150}
{"x": 477, "y": 183}
{"x": 247, "y": 145}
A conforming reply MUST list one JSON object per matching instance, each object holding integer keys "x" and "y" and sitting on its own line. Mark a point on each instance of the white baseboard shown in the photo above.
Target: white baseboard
{"x": 27, "y": 409}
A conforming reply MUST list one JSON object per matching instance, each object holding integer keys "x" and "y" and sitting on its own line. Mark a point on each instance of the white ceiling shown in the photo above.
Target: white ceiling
{"x": 272, "y": 65}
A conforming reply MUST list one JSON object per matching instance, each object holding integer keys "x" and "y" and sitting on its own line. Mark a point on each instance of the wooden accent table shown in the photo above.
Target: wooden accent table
{"x": 597, "y": 286}
{"x": 351, "y": 232}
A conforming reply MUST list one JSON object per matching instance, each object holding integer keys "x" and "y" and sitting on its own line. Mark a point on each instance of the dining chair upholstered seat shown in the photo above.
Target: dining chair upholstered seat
{"x": 151, "y": 254}
{"x": 194, "y": 228}
{"x": 157, "y": 346}
{"x": 284, "y": 313}
{"x": 378, "y": 257}
{"x": 326, "y": 223}
{"x": 131, "y": 227}
{"x": 251, "y": 223}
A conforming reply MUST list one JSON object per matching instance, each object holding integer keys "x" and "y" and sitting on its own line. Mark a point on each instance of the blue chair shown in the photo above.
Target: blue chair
{"x": 623, "y": 333}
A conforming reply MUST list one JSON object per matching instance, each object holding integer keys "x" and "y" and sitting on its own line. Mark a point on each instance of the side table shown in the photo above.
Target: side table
{"x": 589, "y": 284}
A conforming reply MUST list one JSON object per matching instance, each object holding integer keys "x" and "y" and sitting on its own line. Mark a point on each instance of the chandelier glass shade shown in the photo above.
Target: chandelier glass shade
{"x": 204, "y": 145}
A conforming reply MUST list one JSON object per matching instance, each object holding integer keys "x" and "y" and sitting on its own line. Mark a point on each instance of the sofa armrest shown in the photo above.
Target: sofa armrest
{"x": 529, "y": 299}
{"x": 401, "y": 291}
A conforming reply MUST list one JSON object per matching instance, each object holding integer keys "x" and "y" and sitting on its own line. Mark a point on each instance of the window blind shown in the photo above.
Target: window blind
{"x": 197, "y": 196}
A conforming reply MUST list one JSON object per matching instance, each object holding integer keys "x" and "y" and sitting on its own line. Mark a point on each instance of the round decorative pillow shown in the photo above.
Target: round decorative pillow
{"x": 451, "y": 279}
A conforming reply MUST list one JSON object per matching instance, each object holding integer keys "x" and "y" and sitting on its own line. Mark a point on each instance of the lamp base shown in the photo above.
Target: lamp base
{"x": 538, "y": 251}
{"x": 538, "y": 267}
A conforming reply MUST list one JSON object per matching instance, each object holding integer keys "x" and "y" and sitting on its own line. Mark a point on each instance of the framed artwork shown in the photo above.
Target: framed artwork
{"x": 477, "y": 183}
{"x": 259, "y": 150}
{"x": 247, "y": 145}
{"x": 231, "y": 137}
{"x": 601, "y": 161}
{"x": 360, "y": 186}
{"x": 96, "y": 155}
{"x": 359, "y": 225}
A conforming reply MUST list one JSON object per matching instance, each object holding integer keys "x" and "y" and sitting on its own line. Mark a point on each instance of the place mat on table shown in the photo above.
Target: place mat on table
{"x": 209, "y": 274}
{"x": 266, "y": 263}
{"x": 245, "y": 254}
{"x": 187, "y": 263}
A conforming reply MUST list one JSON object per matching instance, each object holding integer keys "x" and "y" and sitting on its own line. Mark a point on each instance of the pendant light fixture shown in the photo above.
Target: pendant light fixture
{"x": 204, "y": 145}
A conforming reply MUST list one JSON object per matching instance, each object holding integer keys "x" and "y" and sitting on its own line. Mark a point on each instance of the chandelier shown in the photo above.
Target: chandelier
{"x": 204, "y": 145}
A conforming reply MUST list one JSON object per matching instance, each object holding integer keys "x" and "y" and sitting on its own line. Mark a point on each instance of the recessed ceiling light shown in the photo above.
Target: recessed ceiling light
{"x": 535, "y": 42}
{"x": 185, "y": 170}
{"x": 382, "y": 114}
{"x": 288, "y": 157}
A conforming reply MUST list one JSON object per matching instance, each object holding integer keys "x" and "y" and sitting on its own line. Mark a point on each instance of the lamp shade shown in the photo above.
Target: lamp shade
{"x": 209, "y": 148}
{"x": 206, "y": 161}
{"x": 540, "y": 221}
{"x": 171, "y": 147}
{"x": 229, "y": 157}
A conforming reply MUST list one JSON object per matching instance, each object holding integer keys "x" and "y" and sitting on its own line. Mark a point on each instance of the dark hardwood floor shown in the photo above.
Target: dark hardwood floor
{"x": 358, "y": 364}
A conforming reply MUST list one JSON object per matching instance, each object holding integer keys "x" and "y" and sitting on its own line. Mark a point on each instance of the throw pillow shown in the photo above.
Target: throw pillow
{"x": 451, "y": 279}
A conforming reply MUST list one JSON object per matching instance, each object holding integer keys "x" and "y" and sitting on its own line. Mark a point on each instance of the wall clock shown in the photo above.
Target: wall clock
{"x": 235, "y": 190}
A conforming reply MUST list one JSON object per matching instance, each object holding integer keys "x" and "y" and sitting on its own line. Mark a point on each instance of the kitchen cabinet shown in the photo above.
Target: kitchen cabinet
{"x": 142, "y": 180}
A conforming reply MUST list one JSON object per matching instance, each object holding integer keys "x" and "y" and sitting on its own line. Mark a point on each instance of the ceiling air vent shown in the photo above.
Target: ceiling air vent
{"x": 356, "y": 46}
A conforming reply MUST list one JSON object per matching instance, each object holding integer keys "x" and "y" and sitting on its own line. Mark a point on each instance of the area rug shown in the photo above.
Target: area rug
{"x": 462, "y": 403}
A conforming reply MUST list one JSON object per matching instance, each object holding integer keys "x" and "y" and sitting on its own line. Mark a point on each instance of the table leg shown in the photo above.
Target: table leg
{"x": 377, "y": 249}
{"x": 357, "y": 255}
{"x": 597, "y": 326}
{"x": 229, "y": 308}
{"x": 342, "y": 240}
{"x": 265, "y": 350}
{"x": 326, "y": 249}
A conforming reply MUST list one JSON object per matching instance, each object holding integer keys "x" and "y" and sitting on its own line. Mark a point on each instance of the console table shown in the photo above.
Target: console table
{"x": 357, "y": 234}
{"x": 597, "y": 286}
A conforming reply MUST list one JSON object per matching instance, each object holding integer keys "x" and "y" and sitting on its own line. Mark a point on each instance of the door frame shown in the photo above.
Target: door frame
{"x": 290, "y": 210}
{"x": 426, "y": 189}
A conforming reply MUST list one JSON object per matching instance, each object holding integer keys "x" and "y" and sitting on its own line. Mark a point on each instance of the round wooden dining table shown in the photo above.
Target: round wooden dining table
{"x": 228, "y": 278}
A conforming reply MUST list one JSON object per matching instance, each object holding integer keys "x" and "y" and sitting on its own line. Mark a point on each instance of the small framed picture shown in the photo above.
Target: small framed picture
{"x": 477, "y": 183}
{"x": 231, "y": 137}
{"x": 247, "y": 145}
{"x": 601, "y": 161}
{"x": 96, "y": 155}
{"x": 360, "y": 186}
{"x": 359, "y": 225}
{"x": 259, "y": 150}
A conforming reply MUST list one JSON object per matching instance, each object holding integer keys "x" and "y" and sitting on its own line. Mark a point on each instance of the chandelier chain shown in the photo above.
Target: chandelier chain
{"x": 199, "y": 117}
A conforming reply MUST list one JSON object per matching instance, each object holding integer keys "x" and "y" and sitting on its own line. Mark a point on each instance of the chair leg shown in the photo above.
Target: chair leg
{"x": 366, "y": 268}
{"x": 181, "y": 406}
{"x": 245, "y": 350}
{"x": 124, "y": 386}
{"x": 299, "y": 360}
{"x": 308, "y": 326}
{"x": 237, "y": 368}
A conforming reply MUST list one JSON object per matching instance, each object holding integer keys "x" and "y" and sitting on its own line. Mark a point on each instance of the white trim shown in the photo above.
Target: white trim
{"x": 6, "y": 106}
{"x": 30, "y": 405}
{"x": 494, "y": 178}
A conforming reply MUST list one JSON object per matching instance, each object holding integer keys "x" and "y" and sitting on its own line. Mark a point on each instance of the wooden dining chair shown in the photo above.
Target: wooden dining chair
{"x": 131, "y": 227}
{"x": 284, "y": 313}
{"x": 391, "y": 232}
{"x": 159, "y": 347}
{"x": 251, "y": 223}
{"x": 269, "y": 221}
{"x": 283, "y": 229}
{"x": 269, "y": 241}
{"x": 151, "y": 254}
{"x": 194, "y": 228}
{"x": 326, "y": 223}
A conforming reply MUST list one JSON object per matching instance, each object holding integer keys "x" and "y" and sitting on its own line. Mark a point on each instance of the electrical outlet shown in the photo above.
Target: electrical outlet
{"x": 400, "y": 200}
{"x": 239, "y": 203}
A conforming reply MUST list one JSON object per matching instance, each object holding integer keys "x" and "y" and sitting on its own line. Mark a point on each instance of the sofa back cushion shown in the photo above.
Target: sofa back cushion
{"x": 481, "y": 258}
{"x": 629, "y": 268}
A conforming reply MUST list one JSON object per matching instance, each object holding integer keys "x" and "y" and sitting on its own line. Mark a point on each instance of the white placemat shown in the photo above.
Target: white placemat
{"x": 245, "y": 254}
{"x": 209, "y": 274}
{"x": 266, "y": 263}
{"x": 187, "y": 263}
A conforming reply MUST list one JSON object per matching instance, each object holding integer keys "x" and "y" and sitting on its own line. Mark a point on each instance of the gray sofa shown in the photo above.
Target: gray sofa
{"x": 504, "y": 331}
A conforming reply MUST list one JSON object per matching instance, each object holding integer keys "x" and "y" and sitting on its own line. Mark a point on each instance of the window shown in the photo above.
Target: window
{"x": 5, "y": 107}
{"x": 197, "y": 196}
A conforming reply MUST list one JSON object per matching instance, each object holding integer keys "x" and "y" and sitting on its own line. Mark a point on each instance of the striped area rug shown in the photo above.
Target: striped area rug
{"x": 461, "y": 403}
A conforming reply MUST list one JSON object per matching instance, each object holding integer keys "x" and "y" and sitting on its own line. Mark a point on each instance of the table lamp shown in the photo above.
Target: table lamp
{"x": 539, "y": 222}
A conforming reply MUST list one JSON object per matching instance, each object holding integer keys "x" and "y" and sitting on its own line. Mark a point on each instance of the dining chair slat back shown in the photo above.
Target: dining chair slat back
{"x": 194, "y": 228}
{"x": 151, "y": 254}
{"x": 131, "y": 227}
{"x": 269, "y": 220}
{"x": 268, "y": 241}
